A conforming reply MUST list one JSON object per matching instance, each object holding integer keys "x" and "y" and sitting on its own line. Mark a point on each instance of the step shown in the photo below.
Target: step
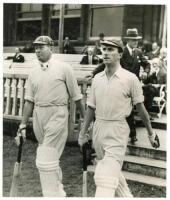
{"x": 138, "y": 178}
{"x": 143, "y": 147}
{"x": 145, "y": 166}
{"x": 158, "y": 123}
{"x": 145, "y": 179}
{"x": 146, "y": 152}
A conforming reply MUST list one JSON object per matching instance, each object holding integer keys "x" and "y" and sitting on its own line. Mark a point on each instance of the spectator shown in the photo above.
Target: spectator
{"x": 28, "y": 48}
{"x": 163, "y": 58}
{"x": 90, "y": 58}
{"x": 155, "y": 51}
{"x": 98, "y": 44}
{"x": 18, "y": 58}
{"x": 68, "y": 47}
{"x": 132, "y": 60}
{"x": 157, "y": 75}
{"x": 147, "y": 47}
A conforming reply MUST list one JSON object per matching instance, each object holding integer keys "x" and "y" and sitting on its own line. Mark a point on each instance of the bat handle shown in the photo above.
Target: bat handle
{"x": 20, "y": 150}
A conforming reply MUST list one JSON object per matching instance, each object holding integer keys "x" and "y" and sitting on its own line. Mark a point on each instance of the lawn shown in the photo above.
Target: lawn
{"x": 71, "y": 164}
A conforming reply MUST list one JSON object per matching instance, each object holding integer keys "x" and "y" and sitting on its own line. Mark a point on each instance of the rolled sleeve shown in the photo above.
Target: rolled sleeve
{"x": 72, "y": 85}
{"x": 91, "y": 101}
{"x": 137, "y": 92}
{"x": 29, "y": 91}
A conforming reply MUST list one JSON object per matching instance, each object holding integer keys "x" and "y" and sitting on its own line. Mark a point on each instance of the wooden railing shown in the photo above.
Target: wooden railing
{"x": 14, "y": 88}
{"x": 15, "y": 80}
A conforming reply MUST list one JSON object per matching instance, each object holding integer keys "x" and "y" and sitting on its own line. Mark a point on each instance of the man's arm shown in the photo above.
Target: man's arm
{"x": 145, "y": 117}
{"x": 28, "y": 109}
{"x": 154, "y": 140}
{"x": 80, "y": 107}
{"x": 89, "y": 116}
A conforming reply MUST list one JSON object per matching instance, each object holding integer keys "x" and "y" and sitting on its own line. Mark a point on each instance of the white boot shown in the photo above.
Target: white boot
{"x": 48, "y": 165}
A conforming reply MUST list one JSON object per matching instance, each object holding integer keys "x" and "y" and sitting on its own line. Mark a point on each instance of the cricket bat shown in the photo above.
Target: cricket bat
{"x": 17, "y": 172}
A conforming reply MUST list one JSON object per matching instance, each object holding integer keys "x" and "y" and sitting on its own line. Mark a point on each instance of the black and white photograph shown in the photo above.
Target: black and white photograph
{"x": 84, "y": 105}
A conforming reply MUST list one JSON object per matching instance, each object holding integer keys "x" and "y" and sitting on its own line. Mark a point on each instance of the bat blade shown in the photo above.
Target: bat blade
{"x": 16, "y": 179}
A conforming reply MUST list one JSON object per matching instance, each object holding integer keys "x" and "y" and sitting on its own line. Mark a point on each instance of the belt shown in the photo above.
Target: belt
{"x": 48, "y": 104}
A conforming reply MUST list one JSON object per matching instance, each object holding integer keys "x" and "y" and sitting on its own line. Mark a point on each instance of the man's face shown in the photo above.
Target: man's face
{"x": 110, "y": 54}
{"x": 155, "y": 63}
{"x": 43, "y": 52}
{"x": 90, "y": 51}
{"x": 17, "y": 50}
{"x": 163, "y": 54}
{"x": 154, "y": 46}
{"x": 132, "y": 43}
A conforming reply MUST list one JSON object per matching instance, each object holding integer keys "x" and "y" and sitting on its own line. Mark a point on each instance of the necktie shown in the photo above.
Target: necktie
{"x": 133, "y": 53}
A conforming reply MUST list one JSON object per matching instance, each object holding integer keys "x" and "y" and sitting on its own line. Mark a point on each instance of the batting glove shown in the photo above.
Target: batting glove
{"x": 154, "y": 140}
{"x": 21, "y": 133}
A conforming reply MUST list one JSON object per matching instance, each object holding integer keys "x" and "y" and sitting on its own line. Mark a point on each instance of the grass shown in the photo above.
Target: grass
{"x": 71, "y": 164}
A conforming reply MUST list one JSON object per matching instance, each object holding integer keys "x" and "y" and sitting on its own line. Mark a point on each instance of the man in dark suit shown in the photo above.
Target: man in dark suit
{"x": 17, "y": 57}
{"x": 90, "y": 58}
{"x": 158, "y": 75}
{"x": 132, "y": 59}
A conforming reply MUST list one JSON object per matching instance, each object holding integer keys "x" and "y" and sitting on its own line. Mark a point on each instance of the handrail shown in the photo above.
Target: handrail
{"x": 14, "y": 88}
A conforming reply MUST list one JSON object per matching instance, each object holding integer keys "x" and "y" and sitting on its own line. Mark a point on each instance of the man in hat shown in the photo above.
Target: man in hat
{"x": 113, "y": 92}
{"x": 50, "y": 86}
{"x": 132, "y": 59}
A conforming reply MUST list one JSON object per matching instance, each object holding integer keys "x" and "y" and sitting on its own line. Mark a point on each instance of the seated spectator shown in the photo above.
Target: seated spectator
{"x": 163, "y": 58}
{"x": 147, "y": 48}
{"x": 90, "y": 58}
{"x": 68, "y": 47}
{"x": 98, "y": 45}
{"x": 28, "y": 48}
{"x": 17, "y": 57}
{"x": 155, "y": 51}
{"x": 156, "y": 75}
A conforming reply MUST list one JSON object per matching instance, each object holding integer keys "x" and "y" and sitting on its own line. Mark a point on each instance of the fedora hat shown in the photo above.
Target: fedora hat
{"x": 132, "y": 34}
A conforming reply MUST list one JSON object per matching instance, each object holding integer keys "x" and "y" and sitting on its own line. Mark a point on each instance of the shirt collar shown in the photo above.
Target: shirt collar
{"x": 45, "y": 65}
{"x": 129, "y": 49}
{"x": 117, "y": 72}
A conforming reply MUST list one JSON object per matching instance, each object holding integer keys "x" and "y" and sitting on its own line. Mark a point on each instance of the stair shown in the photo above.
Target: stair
{"x": 142, "y": 162}
{"x": 145, "y": 166}
{"x": 150, "y": 180}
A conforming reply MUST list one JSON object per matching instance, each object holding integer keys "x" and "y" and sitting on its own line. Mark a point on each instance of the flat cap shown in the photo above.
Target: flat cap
{"x": 113, "y": 43}
{"x": 44, "y": 40}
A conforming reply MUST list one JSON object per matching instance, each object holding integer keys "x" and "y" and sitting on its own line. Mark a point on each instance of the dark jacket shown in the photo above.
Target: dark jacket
{"x": 160, "y": 78}
{"x": 133, "y": 63}
{"x": 85, "y": 60}
{"x": 15, "y": 58}
{"x": 20, "y": 58}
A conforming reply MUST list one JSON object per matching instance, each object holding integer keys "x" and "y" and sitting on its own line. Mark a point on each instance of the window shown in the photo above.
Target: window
{"x": 28, "y": 21}
{"x": 107, "y": 19}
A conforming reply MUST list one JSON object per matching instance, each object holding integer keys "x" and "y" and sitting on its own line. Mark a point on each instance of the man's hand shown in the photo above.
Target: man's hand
{"x": 21, "y": 133}
{"x": 154, "y": 140}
